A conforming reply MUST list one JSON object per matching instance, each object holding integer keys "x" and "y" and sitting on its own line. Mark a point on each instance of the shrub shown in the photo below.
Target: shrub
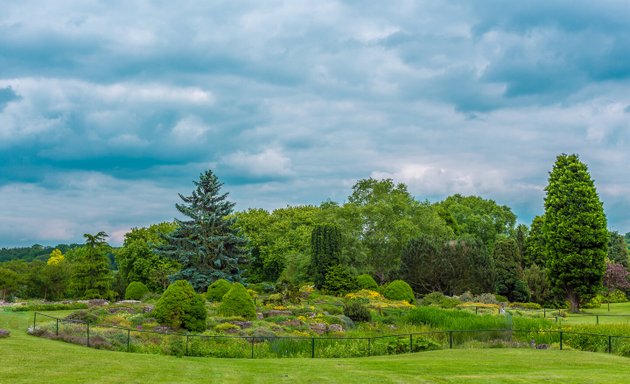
{"x": 616, "y": 296}
{"x": 46, "y": 307}
{"x": 227, "y": 328}
{"x": 4, "y": 333}
{"x": 218, "y": 289}
{"x": 339, "y": 281}
{"x": 135, "y": 291}
{"x": 399, "y": 290}
{"x": 181, "y": 306}
{"x": 501, "y": 299}
{"x": 440, "y": 300}
{"x": 357, "y": 311}
{"x": 525, "y": 305}
{"x": 237, "y": 302}
{"x": 366, "y": 281}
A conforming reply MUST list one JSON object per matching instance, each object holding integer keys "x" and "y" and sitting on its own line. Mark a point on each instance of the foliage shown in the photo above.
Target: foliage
{"x": 616, "y": 277}
{"x": 138, "y": 261}
{"x": 237, "y": 302}
{"x": 4, "y": 333}
{"x": 617, "y": 249}
{"x": 575, "y": 231}
{"x": 357, "y": 311}
{"x": 438, "y": 299}
{"x": 389, "y": 218}
{"x": 218, "y": 289}
{"x": 32, "y": 253}
{"x": 508, "y": 271}
{"x": 91, "y": 276}
{"x": 480, "y": 218}
{"x": 47, "y": 307}
{"x": 207, "y": 246}
{"x": 453, "y": 319}
{"x": 9, "y": 281}
{"x": 535, "y": 248}
{"x": 135, "y": 291}
{"x": 339, "y": 281}
{"x": 399, "y": 290}
{"x": 56, "y": 257}
{"x": 525, "y": 305}
{"x": 366, "y": 281}
{"x": 538, "y": 283}
{"x": 326, "y": 252}
{"x": 181, "y": 307}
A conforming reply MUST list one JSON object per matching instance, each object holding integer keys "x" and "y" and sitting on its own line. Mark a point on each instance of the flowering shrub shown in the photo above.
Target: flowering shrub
{"x": 4, "y": 333}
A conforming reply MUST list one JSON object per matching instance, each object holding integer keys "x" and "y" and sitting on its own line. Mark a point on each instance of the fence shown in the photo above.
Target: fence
{"x": 260, "y": 346}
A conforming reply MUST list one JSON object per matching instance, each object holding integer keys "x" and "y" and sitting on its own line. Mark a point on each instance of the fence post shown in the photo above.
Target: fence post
{"x": 186, "y": 345}
{"x": 450, "y": 339}
{"x": 609, "y": 305}
{"x": 34, "y": 320}
{"x": 544, "y": 312}
{"x": 57, "y": 329}
{"x": 596, "y": 319}
{"x": 561, "y": 340}
{"x": 312, "y": 347}
{"x": 369, "y": 346}
{"x": 252, "y": 341}
{"x": 410, "y": 343}
{"x": 476, "y": 309}
{"x": 128, "y": 340}
{"x": 88, "y": 334}
{"x": 609, "y": 344}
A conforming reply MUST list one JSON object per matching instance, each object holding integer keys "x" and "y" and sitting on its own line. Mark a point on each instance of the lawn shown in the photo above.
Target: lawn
{"x": 614, "y": 316}
{"x": 26, "y": 359}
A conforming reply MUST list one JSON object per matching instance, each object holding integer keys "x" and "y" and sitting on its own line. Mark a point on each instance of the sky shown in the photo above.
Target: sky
{"x": 109, "y": 109}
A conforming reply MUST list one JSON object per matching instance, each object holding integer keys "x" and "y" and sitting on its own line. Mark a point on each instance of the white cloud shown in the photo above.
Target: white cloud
{"x": 270, "y": 162}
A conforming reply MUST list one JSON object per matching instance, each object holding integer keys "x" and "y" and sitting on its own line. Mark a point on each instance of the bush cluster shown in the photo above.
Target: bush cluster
{"x": 218, "y": 289}
{"x": 399, "y": 290}
{"x": 135, "y": 291}
{"x": 181, "y": 307}
{"x": 237, "y": 302}
{"x": 366, "y": 281}
{"x": 438, "y": 299}
{"x": 357, "y": 311}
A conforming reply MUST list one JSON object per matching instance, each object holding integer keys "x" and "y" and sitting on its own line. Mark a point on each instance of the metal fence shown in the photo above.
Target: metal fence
{"x": 260, "y": 346}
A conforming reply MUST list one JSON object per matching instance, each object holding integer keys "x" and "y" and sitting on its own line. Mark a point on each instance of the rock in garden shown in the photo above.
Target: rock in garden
{"x": 335, "y": 328}
{"x": 276, "y": 312}
{"x": 318, "y": 328}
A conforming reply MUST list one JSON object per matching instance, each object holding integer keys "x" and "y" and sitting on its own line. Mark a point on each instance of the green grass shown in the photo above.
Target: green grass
{"x": 26, "y": 359}
{"x": 606, "y": 317}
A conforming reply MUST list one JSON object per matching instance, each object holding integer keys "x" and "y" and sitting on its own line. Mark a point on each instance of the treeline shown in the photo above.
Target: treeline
{"x": 463, "y": 243}
{"x": 35, "y": 252}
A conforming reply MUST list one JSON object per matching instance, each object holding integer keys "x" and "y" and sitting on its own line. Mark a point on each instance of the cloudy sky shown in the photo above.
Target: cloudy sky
{"x": 108, "y": 109}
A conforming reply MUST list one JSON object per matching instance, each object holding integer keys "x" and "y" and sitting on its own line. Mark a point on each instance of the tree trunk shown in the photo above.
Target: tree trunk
{"x": 574, "y": 302}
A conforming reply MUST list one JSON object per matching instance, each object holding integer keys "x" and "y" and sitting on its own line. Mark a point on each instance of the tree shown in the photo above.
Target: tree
{"x": 138, "y": 261}
{"x": 424, "y": 265}
{"x": 535, "y": 248}
{"x": 537, "y": 283}
{"x": 207, "y": 246}
{"x": 508, "y": 271}
{"x": 9, "y": 281}
{"x": 390, "y": 217}
{"x": 481, "y": 218}
{"x": 326, "y": 252}
{"x": 616, "y": 277}
{"x": 617, "y": 249}
{"x": 91, "y": 274}
{"x": 576, "y": 236}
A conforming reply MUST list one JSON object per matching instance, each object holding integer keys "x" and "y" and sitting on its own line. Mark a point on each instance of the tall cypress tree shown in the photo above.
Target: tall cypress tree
{"x": 326, "y": 251}
{"x": 207, "y": 245}
{"x": 575, "y": 231}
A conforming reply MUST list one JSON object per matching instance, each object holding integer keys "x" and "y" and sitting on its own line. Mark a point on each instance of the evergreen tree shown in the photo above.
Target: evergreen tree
{"x": 575, "y": 231}
{"x": 535, "y": 249}
{"x": 508, "y": 271}
{"x": 326, "y": 251}
{"x": 92, "y": 275}
{"x": 207, "y": 246}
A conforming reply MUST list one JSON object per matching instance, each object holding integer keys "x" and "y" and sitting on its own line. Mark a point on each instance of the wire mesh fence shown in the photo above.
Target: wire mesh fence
{"x": 227, "y": 346}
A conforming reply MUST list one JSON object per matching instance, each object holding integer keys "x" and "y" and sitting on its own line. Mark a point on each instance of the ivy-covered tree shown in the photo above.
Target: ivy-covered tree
{"x": 207, "y": 245}
{"x": 326, "y": 252}
{"x": 575, "y": 232}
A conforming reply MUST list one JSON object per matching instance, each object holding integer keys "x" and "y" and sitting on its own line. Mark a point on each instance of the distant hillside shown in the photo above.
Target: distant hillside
{"x": 35, "y": 252}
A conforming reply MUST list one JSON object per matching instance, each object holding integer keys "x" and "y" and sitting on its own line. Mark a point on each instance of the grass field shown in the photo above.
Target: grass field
{"x": 27, "y": 359}
{"x": 614, "y": 316}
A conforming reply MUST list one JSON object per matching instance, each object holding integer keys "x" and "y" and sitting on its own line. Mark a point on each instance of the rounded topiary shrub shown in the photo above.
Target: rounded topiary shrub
{"x": 237, "y": 302}
{"x": 218, "y": 289}
{"x": 135, "y": 291}
{"x": 399, "y": 290}
{"x": 181, "y": 307}
{"x": 366, "y": 281}
{"x": 339, "y": 281}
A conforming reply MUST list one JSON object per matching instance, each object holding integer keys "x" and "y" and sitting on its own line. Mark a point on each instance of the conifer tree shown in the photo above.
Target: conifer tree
{"x": 575, "y": 232}
{"x": 92, "y": 275}
{"x": 207, "y": 245}
{"x": 326, "y": 251}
